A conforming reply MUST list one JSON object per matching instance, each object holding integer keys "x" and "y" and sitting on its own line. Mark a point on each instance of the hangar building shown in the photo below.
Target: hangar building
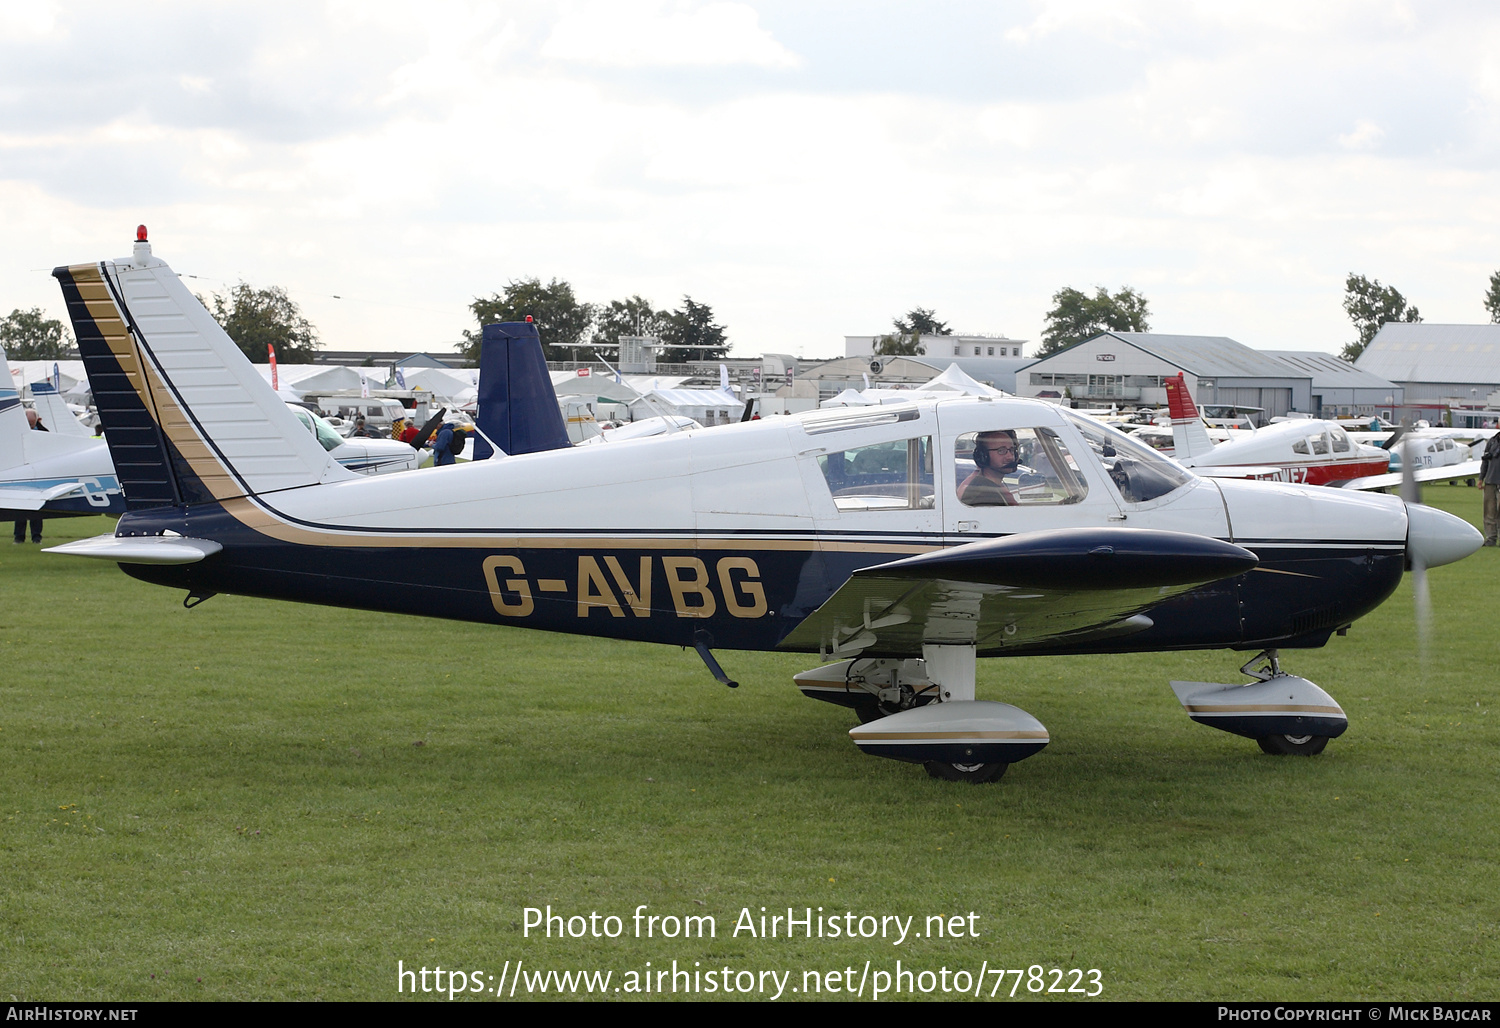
{"x": 1339, "y": 388}
{"x": 1130, "y": 368}
{"x": 1439, "y": 365}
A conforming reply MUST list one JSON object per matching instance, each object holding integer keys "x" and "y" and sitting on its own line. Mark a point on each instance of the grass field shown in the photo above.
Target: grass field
{"x": 258, "y": 800}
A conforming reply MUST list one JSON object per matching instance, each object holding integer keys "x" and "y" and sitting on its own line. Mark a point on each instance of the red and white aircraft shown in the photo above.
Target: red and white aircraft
{"x": 1306, "y": 452}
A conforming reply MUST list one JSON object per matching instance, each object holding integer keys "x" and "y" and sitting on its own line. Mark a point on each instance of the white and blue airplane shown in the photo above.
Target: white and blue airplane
{"x": 62, "y": 472}
{"x": 898, "y": 543}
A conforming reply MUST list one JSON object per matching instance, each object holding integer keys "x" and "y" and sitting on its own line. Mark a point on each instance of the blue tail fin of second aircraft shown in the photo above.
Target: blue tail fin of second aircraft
{"x": 517, "y": 404}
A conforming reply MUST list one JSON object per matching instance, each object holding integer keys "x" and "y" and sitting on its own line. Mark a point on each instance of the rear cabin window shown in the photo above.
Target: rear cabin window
{"x": 883, "y": 476}
{"x": 1016, "y": 468}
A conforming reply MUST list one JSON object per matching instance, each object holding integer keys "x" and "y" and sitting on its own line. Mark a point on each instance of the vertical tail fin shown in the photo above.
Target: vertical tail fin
{"x": 53, "y": 410}
{"x": 517, "y": 404}
{"x": 187, "y": 418}
{"x": 1189, "y": 435}
{"x": 12, "y": 419}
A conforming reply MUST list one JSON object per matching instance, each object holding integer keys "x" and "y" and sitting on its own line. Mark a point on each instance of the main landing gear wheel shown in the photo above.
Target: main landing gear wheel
{"x": 1293, "y": 745}
{"x": 975, "y": 773}
{"x": 871, "y": 709}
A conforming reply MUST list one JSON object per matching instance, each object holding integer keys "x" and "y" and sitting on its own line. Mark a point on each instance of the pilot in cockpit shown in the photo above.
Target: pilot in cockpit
{"x": 996, "y": 455}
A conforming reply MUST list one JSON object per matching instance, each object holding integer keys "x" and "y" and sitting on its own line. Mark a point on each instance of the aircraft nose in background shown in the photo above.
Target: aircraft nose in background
{"x": 1435, "y": 537}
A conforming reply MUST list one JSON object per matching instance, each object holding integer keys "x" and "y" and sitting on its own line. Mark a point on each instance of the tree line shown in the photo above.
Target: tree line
{"x": 1074, "y": 317}
{"x": 568, "y": 326}
{"x": 255, "y": 317}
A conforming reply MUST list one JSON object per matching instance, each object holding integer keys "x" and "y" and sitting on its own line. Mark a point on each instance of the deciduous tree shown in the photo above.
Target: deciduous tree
{"x": 1370, "y": 305}
{"x": 29, "y": 336}
{"x": 561, "y": 320}
{"x": 634, "y": 316}
{"x": 906, "y": 341}
{"x": 1075, "y": 316}
{"x": 690, "y": 334}
{"x": 1492, "y": 298}
{"x": 255, "y": 317}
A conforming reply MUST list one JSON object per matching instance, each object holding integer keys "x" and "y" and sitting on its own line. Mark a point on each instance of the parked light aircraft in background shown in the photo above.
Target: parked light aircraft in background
{"x": 52, "y": 473}
{"x": 367, "y": 456}
{"x": 55, "y": 412}
{"x": 863, "y": 535}
{"x": 1303, "y": 451}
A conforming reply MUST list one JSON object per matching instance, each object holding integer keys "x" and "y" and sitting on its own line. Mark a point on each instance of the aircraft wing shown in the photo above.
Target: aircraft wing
{"x": 1269, "y": 472}
{"x": 1021, "y": 590}
{"x": 22, "y": 497}
{"x": 1468, "y": 469}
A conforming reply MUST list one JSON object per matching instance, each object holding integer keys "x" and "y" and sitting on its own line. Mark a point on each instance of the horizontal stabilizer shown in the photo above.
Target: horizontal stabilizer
{"x": 145, "y": 549}
{"x": 20, "y": 497}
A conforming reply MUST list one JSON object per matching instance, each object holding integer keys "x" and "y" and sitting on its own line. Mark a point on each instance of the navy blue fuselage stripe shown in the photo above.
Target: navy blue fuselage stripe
{"x": 1248, "y": 610}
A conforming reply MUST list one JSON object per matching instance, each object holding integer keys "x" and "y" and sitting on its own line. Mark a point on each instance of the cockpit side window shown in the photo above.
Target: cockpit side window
{"x": 1016, "y": 467}
{"x": 896, "y": 475}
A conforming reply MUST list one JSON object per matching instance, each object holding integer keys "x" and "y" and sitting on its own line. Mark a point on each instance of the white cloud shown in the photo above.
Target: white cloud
{"x": 1235, "y": 183}
{"x": 648, "y": 33}
{"x": 1366, "y": 135}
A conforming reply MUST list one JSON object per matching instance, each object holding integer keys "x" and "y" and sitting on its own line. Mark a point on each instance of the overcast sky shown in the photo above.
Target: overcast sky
{"x": 808, "y": 169}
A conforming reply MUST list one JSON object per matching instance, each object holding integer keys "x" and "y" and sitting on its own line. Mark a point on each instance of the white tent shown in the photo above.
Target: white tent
{"x": 848, "y": 398}
{"x": 444, "y": 383}
{"x": 302, "y": 379}
{"x": 705, "y": 406}
{"x": 74, "y": 384}
{"x": 955, "y": 381}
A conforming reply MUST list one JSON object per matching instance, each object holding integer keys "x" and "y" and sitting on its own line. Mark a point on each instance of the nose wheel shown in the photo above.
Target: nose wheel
{"x": 1292, "y": 745}
{"x": 1287, "y": 716}
{"x": 975, "y": 773}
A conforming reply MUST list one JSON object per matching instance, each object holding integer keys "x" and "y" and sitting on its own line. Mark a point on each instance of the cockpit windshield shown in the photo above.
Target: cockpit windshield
{"x": 1139, "y": 472}
{"x": 321, "y": 430}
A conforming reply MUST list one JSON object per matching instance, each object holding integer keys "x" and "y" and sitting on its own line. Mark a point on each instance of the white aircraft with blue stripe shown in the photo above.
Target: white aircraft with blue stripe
{"x": 53, "y": 473}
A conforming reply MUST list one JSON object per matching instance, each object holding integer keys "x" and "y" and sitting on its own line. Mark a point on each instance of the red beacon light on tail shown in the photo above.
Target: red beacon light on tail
{"x": 140, "y": 233}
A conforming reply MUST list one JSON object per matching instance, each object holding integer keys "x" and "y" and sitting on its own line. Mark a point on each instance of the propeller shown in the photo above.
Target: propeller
{"x": 1411, "y": 495}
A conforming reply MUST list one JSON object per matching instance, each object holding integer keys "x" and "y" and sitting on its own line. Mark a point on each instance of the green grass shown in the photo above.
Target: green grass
{"x": 256, "y": 800}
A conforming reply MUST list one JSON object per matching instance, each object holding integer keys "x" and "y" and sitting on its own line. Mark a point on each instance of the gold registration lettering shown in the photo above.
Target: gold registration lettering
{"x": 751, "y": 588}
{"x": 682, "y": 587}
{"x": 638, "y": 598}
{"x": 593, "y": 590}
{"x": 514, "y": 609}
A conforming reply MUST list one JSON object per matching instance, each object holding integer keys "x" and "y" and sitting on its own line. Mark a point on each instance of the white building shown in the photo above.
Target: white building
{"x": 940, "y": 348}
